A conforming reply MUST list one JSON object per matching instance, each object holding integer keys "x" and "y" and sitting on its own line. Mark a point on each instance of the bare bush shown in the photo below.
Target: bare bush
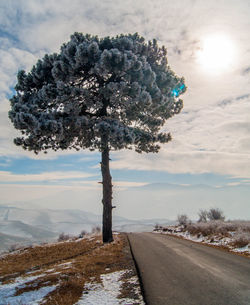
{"x": 215, "y": 214}
{"x": 219, "y": 227}
{"x": 13, "y": 248}
{"x": 63, "y": 237}
{"x": 82, "y": 234}
{"x": 183, "y": 220}
{"x": 241, "y": 240}
{"x": 203, "y": 216}
{"x": 225, "y": 227}
{"x": 96, "y": 230}
{"x": 204, "y": 228}
{"x": 157, "y": 227}
{"x": 242, "y": 225}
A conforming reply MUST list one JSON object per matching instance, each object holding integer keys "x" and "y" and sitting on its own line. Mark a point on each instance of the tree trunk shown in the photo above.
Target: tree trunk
{"x": 107, "y": 236}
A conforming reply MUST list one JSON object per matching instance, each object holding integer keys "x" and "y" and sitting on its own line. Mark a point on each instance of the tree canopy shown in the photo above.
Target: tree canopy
{"x": 120, "y": 89}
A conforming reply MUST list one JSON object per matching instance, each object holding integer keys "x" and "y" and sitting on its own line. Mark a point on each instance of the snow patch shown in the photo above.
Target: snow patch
{"x": 243, "y": 249}
{"x": 211, "y": 240}
{"x": 107, "y": 292}
{"x": 67, "y": 265}
{"x": 34, "y": 297}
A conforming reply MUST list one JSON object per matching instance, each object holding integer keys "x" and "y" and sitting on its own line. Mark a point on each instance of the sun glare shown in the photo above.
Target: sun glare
{"x": 216, "y": 54}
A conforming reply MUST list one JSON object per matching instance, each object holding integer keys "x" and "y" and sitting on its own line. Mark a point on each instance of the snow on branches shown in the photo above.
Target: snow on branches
{"x": 118, "y": 88}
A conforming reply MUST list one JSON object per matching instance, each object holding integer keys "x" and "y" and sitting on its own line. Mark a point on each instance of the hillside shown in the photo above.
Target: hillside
{"x": 43, "y": 225}
{"x": 20, "y": 229}
{"x": 52, "y": 220}
{"x": 80, "y": 271}
{"x": 8, "y": 241}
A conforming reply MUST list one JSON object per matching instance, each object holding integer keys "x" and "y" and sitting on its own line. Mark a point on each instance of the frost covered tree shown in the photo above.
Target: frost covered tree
{"x": 99, "y": 94}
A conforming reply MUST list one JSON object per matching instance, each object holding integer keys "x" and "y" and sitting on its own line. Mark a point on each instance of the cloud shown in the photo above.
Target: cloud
{"x": 124, "y": 185}
{"x": 211, "y": 138}
{"x": 84, "y": 195}
{"x": 52, "y": 196}
{"x": 117, "y": 185}
{"x": 9, "y": 177}
{"x": 212, "y": 132}
{"x": 11, "y": 60}
{"x": 187, "y": 162}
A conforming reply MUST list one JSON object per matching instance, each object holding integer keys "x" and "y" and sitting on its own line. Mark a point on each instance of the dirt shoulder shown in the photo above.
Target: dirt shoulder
{"x": 70, "y": 270}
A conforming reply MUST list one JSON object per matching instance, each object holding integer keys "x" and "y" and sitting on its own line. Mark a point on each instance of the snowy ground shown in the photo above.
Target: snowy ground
{"x": 35, "y": 297}
{"x": 107, "y": 293}
{"x": 104, "y": 293}
{"x": 108, "y": 287}
{"x": 215, "y": 240}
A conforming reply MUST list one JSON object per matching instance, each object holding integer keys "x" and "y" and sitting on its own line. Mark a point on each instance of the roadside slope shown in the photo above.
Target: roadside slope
{"x": 74, "y": 272}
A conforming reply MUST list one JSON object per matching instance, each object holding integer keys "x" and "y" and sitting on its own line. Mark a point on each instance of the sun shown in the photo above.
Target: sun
{"x": 217, "y": 53}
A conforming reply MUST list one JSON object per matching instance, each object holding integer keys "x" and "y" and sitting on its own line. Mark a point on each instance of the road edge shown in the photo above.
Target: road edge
{"x": 221, "y": 248}
{"x": 137, "y": 270}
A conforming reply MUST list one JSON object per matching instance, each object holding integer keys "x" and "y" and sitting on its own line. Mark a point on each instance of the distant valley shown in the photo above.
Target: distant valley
{"x": 27, "y": 226}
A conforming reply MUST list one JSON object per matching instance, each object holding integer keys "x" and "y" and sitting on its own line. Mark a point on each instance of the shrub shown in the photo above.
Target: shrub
{"x": 63, "y": 237}
{"x": 243, "y": 225}
{"x": 204, "y": 228}
{"x": 208, "y": 228}
{"x": 96, "y": 230}
{"x": 225, "y": 227}
{"x": 82, "y": 234}
{"x": 215, "y": 214}
{"x": 13, "y": 248}
{"x": 157, "y": 227}
{"x": 193, "y": 229}
{"x": 241, "y": 240}
{"x": 183, "y": 220}
{"x": 203, "y": 214}
{"x": 218, "y": 227}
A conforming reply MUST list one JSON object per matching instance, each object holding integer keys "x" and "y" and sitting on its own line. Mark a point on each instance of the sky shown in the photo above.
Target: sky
{"x": 207, "y": 164}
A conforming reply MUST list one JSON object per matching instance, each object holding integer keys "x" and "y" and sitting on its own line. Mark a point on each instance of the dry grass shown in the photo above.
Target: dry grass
{"x": 225, "y": 235}
{"x": 219, "y": 228}
{"x": 42, "y": 256}
{"x": 241, "y": 240}
{"x": 69, "y": 265}
{"x": 211, "y": 228}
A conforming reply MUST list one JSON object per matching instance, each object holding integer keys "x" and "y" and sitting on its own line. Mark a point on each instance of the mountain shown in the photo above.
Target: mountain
{"x": 27, "y": 226}
{"x": 6, "y": 241}
{"x": 20, "y": 229}
{"x": 68, "y": 221}
{"x": 38, "y": 225}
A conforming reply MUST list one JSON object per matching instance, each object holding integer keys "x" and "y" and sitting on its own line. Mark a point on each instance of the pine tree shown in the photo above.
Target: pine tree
{"x": 101, "y": 94}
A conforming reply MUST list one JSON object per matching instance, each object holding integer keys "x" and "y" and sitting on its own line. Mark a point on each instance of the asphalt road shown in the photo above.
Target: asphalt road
{"x": 180, "y": 272}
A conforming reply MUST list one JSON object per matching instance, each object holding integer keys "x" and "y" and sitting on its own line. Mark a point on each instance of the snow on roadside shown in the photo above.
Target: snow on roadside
{"x": 108, "y": 291}
{"x": 34, "y": 297}
{"x": 215, "y": 240}
{"x": 243, "y": 249}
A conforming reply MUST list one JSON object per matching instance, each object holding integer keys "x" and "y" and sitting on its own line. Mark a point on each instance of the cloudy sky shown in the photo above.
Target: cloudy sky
{"x": 209, "y": 157}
